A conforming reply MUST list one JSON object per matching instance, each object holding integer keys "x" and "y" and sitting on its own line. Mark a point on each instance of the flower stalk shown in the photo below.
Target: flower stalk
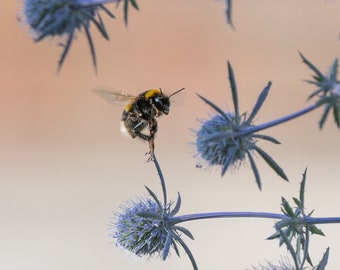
{"x": 161, "y": 179}
{"x": 267, "y": 215}
{"x": 253, "y": 129}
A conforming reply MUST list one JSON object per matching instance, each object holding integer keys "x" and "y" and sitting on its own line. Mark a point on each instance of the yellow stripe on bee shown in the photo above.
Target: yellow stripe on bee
{"x": 128, "y": 107}
{"x": 152, "y": 92}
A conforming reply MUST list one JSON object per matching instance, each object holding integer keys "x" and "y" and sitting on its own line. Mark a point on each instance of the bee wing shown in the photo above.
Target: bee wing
{"x": 115, "y": 98}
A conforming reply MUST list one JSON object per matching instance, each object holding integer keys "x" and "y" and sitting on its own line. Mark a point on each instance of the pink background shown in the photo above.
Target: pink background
{"x": 64, "y": 167}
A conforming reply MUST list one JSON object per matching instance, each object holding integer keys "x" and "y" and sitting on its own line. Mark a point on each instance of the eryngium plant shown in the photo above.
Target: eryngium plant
{"x": 228, "y": 138}
{"x": 62, "y": 18}
{"x": 149, "y": 227}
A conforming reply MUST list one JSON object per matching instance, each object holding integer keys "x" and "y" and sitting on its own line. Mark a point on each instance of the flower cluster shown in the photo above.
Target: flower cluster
{"x": 59, "y": 18}
{"x": 327, "y": 90}
{"x": 228, "y": 138}
{"x": 217, "y": 144}
{"x": 51, "y": 18}
{"x": 149, "y": 227}
{"x": 137, "y": 234}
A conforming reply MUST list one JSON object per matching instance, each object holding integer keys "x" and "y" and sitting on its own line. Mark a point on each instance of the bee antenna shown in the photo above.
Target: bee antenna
{"x": 177, "y": 92}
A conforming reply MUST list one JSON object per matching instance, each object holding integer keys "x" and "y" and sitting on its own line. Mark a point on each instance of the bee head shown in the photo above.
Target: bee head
{"x": 162, "y": 102}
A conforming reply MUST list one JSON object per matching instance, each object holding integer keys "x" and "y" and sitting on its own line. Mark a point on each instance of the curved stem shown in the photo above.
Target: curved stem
{"x": 275, "y": 122}
{"x": 161, "y": 178}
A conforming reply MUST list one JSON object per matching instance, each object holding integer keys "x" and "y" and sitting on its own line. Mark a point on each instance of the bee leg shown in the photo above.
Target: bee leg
{"x": 139, "y": 126}
{"x": 152, "y": 148}
{"x": 153, "y": 126}
{"x": 141, "y": 136}
{"x": 156, "y": 110}
{"x": 148, "y": 138}
{"x": 153, "y": 129}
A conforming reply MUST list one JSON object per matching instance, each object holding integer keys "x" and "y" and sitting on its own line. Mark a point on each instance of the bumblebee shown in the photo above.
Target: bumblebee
{"x": 140, "y": 112}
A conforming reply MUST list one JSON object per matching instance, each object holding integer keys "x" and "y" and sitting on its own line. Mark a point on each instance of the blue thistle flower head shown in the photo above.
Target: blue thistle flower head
{"x": 327, "y": 90}
{"x": 137, "y": 234}
{"x": 51, "y": 18}
{"x": 228, "y": 138}
{"x": 149, "y": 227}
{"x": 216, "y": 143}
{"x": 56, "y": 17}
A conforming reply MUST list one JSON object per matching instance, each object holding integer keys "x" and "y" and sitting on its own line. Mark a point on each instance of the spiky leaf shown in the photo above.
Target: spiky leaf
{"x": 233, "y": 90}
{"x": 154, "y": 196}
{"x": 266, "y": 137}
{"x": 255, "y": 170}
{"x": 228, "y": 9}
{"x": 315, "y": 230}
{"x": 319, "y": 75}
{"x": 286, "y": 208}
{"x": 185, "y": 231}
{"x": 175, "y": 210}
{"x": 167, "y": 244}
{"x": 215, "y": 107}
{"x": 271, "y": 163}
{"x": 260, "y": 100}
{"x": 324, "y": 261}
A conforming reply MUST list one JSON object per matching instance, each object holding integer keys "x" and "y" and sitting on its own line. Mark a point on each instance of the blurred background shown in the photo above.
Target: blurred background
{"x": 64, "y": 166}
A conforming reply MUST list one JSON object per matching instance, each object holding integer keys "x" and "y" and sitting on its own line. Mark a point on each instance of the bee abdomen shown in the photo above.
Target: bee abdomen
{"x": 125, "y": 131}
